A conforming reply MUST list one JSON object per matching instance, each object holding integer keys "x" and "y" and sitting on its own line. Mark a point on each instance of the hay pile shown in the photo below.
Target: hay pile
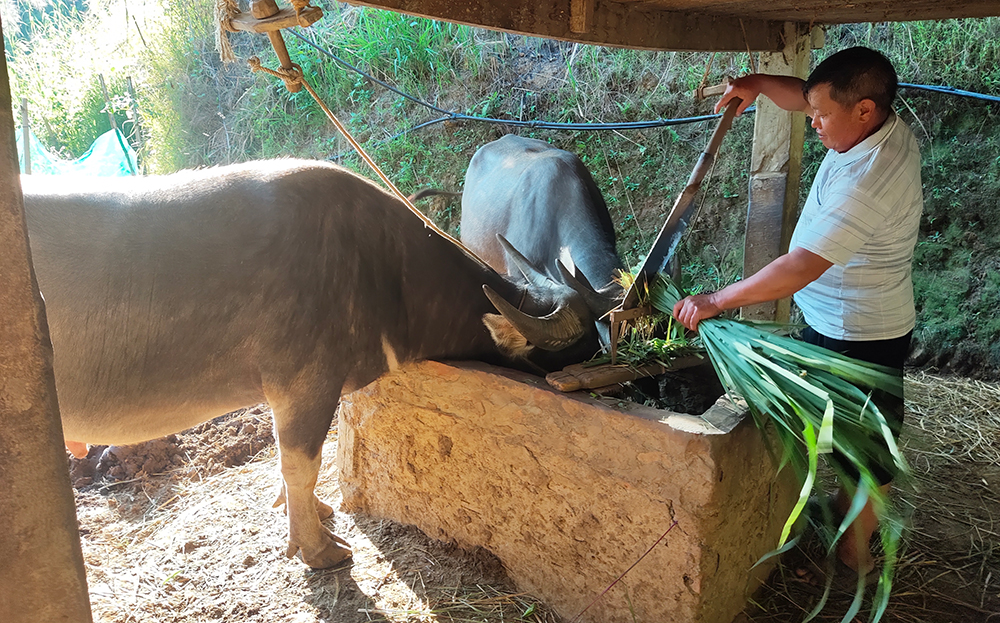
{"x": 200, "y": 543}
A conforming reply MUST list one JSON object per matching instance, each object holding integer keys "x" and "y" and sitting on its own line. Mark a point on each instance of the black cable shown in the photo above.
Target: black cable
{"x": 449, "y": 115}
{"x": 366, "y": 75}
{"x": 949, "y": 91}
{"x": 541, "y": 125}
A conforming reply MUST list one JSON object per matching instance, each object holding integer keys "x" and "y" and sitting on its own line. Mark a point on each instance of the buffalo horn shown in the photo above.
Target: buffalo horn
{"x": 553, "y": 332}
{"x": 596, "y": 302}
{"x": 530, "y": 272}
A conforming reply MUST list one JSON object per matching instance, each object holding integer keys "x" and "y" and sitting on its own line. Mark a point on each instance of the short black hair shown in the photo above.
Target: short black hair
{"x": 855, "y": 74}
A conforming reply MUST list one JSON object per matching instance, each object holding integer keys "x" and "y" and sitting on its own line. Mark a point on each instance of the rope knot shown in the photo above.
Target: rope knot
{"x": 291, "y": 75}
{"x": 299, "y": 6}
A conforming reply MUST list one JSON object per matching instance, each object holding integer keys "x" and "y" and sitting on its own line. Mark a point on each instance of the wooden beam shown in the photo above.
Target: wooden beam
{"x": 42, "y": 576}
{"x": 285, "y": 18}
{"x": 775, "y": 169}
{"x": 618, "y": 24}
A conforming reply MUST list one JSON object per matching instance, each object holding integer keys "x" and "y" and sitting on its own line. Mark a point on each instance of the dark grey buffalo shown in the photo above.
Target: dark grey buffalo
{"x": 544, "y": 201}
{"x": 172, "y": 300}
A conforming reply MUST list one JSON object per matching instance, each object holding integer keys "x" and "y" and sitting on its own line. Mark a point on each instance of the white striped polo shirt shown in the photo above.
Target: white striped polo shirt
{"x": 863, "y": 214}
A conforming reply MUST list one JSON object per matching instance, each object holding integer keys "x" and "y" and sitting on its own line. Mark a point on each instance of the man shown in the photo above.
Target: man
{"x": 848, "y": 264}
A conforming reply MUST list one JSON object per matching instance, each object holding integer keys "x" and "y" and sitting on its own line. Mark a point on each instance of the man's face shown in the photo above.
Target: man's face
{"x": 839, "y": 127}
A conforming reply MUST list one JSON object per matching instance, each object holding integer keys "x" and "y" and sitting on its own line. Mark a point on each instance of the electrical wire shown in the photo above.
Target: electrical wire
{"x": 449, "y": 115}
{"x": 534, "y": 124}
{"x": 949, "y": 91}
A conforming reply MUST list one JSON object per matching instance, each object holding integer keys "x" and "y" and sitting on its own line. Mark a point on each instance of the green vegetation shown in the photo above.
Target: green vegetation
{"x": 817, "y": 402}
{"x": 196, "y": 111}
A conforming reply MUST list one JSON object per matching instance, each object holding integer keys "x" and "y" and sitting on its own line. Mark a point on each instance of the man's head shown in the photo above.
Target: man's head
{"x": 851, "y": 93}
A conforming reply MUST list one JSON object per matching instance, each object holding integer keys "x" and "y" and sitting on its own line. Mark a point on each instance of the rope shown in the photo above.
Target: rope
{"x": 294, "y": 75}
{"x": 704, "y": 76}
{"x": 225, "y": 11}
{"x": 753, "y": 65}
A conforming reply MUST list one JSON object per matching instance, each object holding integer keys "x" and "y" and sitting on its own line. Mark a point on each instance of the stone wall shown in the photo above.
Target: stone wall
{"x": 568, "y": 490}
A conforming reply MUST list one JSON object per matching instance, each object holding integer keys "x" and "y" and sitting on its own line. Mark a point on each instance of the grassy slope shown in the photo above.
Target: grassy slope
{"x": 199, "y": 112}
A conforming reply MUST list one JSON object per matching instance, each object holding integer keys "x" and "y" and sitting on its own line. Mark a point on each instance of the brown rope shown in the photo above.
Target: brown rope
{"x": 753, "y": 64}
{"x": 704, "y": 76}
{"x": 225, "y": 11}
{"x": 294, "y": 75}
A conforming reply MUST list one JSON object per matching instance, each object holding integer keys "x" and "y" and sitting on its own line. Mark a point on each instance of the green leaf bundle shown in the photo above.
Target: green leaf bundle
{"x": 818, "y": 401}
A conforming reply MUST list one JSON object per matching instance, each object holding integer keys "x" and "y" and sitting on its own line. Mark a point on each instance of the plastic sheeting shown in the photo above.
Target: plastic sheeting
{"x": 109, "y": 156}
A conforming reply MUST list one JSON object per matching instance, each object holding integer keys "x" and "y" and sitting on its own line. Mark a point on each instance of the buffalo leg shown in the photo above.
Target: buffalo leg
{"x": 301, "y": 430}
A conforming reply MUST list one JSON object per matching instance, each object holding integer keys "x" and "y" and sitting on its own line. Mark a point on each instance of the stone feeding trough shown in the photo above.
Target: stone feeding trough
{"x": 569, "y": 490}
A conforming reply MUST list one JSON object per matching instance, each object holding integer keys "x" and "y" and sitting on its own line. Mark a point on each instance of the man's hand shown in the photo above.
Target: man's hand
{"x": 746, "y": 88}
{"x": 693, "y": 309}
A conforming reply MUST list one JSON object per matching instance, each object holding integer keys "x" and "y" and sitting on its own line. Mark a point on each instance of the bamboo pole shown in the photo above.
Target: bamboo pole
{"x": 136, "y": 126}
{"x": 25, "y": 136}
{"x": 114, "y": 124}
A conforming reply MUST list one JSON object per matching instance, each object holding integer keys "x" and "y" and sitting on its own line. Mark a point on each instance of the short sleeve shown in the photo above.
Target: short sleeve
{"x": 838, "y": 229}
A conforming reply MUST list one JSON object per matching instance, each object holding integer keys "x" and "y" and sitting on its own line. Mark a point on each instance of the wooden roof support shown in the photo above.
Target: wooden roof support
{"x": 775, "y": 169}
{"x": 265, "y": 17}
{"x": 42, "y": 576}
{"x": 620, "y": 24}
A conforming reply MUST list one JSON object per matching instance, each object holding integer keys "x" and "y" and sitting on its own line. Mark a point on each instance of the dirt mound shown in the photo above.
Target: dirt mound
{"x": 227, "y": 441}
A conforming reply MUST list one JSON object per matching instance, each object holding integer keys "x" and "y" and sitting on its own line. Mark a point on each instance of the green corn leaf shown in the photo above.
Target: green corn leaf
{"x": 818, "y": 401}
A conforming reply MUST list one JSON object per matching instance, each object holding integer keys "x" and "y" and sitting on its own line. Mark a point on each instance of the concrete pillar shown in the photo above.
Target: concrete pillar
{"x": 41, "y": 565}
{"x": 776, "y": 166}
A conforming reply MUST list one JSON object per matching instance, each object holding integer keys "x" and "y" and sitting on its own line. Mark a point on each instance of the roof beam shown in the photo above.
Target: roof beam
{"x": 630, "y": 25}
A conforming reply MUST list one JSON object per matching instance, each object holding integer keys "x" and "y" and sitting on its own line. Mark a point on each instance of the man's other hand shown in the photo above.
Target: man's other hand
{"x": 693, "y": 309}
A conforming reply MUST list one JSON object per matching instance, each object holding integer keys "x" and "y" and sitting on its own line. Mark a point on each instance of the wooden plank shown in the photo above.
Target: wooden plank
{"x": 579, "y": 376}
{"x": 826, "y": 12}
{"x": 617, "y": 24}
{"x": 285, "y": 18}
{"x": 775, "y": 169}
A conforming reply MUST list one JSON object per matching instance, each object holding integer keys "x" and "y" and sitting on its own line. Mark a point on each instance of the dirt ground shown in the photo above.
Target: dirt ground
{"x": 183, "y": 529}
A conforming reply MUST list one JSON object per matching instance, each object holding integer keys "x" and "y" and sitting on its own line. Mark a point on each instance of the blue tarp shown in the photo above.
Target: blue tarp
{"x": 105, "y": 158}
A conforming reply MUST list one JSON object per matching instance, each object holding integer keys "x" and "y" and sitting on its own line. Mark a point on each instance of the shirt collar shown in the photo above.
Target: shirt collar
{"x": 858, "y": 151}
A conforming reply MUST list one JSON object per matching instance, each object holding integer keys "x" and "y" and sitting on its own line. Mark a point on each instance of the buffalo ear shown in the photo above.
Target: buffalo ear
{"x": 506, "y": 336}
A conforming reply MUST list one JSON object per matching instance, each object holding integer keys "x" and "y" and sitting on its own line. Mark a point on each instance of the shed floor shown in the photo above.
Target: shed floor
{"x": 200, "y": 543}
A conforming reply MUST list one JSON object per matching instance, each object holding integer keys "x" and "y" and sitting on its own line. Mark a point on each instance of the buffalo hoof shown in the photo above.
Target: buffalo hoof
{"x": 334, "y": 551}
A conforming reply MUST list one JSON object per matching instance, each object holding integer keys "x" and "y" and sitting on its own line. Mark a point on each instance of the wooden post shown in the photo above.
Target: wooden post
{"x": 114, "y": 124}
{"x": 776, "y": 166}
{"x": 136, "y": 126}
{"x": 42, "y": 576}
{"x": 25, "y": 136}
{"x": 262, "y": 9}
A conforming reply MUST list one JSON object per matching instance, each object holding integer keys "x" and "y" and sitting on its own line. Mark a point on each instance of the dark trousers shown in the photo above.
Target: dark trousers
{"x": 891, "y": 353}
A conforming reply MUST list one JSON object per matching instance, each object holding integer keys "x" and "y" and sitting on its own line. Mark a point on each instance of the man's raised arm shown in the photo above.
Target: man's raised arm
{"x": 785, "y": 91}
